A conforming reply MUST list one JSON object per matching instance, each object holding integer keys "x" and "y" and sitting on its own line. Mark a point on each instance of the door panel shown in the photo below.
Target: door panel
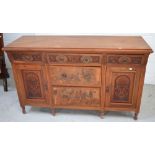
{"x": 121, "y": 87}
{"x": 32, "y": 84}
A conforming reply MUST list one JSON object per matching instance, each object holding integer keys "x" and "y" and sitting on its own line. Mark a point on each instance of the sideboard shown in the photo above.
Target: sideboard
{"x": 102, "y": 73}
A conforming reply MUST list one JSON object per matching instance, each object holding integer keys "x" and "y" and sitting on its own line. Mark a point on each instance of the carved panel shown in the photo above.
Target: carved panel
{"x": 86, "y": 59}
{"x": 32, "y": 84}
{"x": 61, "y": 58}
{"x": 27, "y": 57}
{"x": 121, "y": 89}
{"x": 127, "y": 59}
{"x": 76, "y": 96}
{"x": 74, "y": 59}
{"x": 85, "y": 76}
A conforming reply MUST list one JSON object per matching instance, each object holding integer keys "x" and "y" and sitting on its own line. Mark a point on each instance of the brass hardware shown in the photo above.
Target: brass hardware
{"x": 130, "y": 69}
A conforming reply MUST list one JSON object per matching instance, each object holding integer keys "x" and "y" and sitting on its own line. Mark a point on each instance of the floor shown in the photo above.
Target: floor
{"x": 10, "y": 110}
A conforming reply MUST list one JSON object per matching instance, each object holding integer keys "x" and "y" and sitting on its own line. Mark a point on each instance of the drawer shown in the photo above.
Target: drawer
{"x": 75, "y": 96}
{"x": 83, "y": 59}
{"x": 125, "y": 59}
{"x": 27, "y": 57}
{"x": 76, "y": 76}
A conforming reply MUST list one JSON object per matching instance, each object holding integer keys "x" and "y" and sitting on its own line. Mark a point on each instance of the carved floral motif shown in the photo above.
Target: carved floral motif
{"x": 86, "y": 59}
{"x": 76, "y": 96}
{"x": 27, "y": 57}
{"x": 73, "y": 59}
{"x": 75, "y": 75}
{"x": 61, "y": 58}
{"x": 124, "y": 59}
{"x": 121, "y": 89}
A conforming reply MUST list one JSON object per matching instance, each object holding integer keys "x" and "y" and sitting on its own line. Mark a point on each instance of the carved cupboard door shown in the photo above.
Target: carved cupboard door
{"x": 32, "y": 84}
{"x": 121, "y": 87}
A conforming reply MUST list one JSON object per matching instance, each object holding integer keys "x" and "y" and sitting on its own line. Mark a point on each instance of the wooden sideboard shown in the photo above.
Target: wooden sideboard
{"x": 103, "y": 73}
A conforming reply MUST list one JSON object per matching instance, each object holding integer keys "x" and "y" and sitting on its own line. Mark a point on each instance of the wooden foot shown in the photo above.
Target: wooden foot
{"x": 53, "y": 112}
{"x": 102, "y": 114}
{"x": 135, "y": 116}
{"x": 23, "y": 110}
{"x": 5, "y": 84}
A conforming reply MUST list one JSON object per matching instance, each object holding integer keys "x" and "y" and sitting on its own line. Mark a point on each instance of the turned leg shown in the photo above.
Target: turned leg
{"x": 102, "y": 114}
{"x": 23, "y": 109}
{"x": 53, "y": 112}
{"x": 135, "y": 116}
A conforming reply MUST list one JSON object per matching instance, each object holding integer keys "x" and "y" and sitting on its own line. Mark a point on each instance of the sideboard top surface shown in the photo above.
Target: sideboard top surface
{"x": 92, "y": 43}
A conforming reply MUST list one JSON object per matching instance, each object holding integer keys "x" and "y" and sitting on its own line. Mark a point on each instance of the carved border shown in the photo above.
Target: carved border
{"x": 27, "y": 57}
{"x": 73, "y": 59}
{"x": 124, "y": 59}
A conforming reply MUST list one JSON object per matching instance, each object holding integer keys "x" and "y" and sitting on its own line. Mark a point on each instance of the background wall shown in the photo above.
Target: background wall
{"x": 149, "y": 38}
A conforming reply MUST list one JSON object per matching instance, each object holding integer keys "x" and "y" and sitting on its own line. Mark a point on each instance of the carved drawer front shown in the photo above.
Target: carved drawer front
{"x": 75, "y": 96}
{"x": 27, "y": 57}
{"x": 77, "y": 76}
{"x": 125, "y": 59}
{"x": 85, "y": 59}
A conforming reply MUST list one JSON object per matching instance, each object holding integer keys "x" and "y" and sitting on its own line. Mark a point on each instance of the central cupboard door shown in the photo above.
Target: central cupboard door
{"x": 76, "y": 86}
{"x": 121, "y": 87}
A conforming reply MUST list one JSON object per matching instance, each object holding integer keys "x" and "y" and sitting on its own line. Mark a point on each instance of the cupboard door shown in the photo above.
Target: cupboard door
{"x": 121, "y": 87}
{"x": 32, "y": 84}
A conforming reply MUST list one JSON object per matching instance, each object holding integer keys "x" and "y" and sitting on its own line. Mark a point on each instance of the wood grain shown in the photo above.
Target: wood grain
{"x": 79, "y": 42}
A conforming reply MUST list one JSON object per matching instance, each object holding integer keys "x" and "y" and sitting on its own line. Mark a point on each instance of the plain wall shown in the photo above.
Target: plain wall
{"x": 149, "y": 38}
